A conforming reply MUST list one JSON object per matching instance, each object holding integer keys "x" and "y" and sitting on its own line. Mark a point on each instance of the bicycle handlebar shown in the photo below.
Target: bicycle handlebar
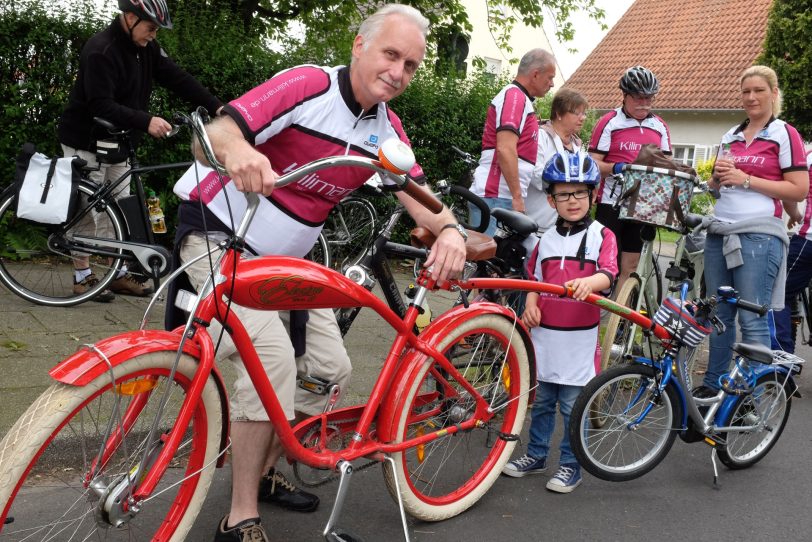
{"x": 476, "y": 201}
{"x": 761, "y": 310}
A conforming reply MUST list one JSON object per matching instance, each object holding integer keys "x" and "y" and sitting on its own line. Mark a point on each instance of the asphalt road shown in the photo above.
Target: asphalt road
{"x": 676, "y": 501}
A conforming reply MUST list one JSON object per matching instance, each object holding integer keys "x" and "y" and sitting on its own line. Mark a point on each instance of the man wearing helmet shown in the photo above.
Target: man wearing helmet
{"x": 582, "y": 254}
{"x": 116, "y": 72}
{"x": 616, "y": 140}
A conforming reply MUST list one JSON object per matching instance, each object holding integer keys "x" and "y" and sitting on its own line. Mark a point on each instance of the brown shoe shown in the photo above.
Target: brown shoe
{"x": 128, "y": 285}
{"x": 105, "y": 296}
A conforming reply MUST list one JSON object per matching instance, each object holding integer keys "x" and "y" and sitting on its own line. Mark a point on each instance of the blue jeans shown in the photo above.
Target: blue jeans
{"x": 799, "y": 273}
{"x": 542, "y": 421}
{"x": 475, "y": 216}
{"x": 754, "y": 281}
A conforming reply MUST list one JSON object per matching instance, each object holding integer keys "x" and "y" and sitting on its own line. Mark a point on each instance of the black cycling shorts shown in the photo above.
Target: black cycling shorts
{"x": 627, "y": 232}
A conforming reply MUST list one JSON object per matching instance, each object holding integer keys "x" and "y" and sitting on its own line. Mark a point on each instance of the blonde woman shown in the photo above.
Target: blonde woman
{"x": 761, "y": 162}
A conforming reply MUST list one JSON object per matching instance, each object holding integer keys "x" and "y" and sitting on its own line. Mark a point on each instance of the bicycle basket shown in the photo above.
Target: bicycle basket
{"x": 657, "y": 196}
{"x": 678, "y": 319}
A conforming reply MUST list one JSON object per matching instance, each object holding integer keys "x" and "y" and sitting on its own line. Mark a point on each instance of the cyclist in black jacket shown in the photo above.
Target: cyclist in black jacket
{"x": 116, "y": 73}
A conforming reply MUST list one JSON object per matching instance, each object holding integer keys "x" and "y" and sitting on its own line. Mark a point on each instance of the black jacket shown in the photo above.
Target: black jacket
{"x": 115, "y": 82}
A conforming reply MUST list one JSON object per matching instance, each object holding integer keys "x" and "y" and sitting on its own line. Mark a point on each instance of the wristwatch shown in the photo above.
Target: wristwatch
{"x": 459, "y": 229}
{"x": 746, "y": 183}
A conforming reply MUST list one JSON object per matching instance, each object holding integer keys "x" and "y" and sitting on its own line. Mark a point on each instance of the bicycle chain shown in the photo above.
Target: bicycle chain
{"x": 334, "y": 476}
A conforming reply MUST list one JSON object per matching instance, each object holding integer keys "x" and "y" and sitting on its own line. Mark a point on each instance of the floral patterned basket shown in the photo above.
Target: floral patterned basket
{"x": 661, "y": 197}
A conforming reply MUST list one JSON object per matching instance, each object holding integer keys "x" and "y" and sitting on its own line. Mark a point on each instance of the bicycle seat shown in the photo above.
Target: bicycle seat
{"x": 478, "y": 246}
{"x": 755, "y": 352}
{"x": 515, "y": 221}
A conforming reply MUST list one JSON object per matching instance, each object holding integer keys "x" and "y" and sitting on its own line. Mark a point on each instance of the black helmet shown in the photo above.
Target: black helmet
{"x": 151, "y": 10}
{"x": 639, "y": 80}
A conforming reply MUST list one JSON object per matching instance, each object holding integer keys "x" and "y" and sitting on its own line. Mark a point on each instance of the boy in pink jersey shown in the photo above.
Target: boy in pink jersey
{"x": 581, "y": 254}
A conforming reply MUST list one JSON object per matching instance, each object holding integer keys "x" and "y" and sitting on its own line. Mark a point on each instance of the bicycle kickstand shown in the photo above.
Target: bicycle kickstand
{"x": 331, "y": 532}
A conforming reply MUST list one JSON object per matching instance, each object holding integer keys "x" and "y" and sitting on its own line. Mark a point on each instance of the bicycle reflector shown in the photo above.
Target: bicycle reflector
{"x": 396, "y": 156}
{"x": 679, "y": 320}
{"x": 136, "y": 387}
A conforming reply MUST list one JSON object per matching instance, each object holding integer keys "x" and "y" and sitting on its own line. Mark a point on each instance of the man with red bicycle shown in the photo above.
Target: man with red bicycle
{"x": 299, "y": 115}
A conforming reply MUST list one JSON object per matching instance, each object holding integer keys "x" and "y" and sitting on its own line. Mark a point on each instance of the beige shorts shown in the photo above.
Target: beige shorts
{"x": 325, "y": 355}
{"x": 93, "y": 223}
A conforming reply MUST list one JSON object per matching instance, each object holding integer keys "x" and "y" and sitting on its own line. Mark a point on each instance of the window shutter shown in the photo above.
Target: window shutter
{"x": 701, "y": 153}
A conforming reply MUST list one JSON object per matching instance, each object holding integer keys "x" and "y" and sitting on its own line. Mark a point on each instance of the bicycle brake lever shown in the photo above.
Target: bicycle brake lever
{"x": 718, "y": 325}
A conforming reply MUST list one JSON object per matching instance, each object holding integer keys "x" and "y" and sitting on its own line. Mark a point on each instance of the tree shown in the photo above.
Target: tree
{"x": 334, "y": 20}
{"x": 788, "y": 50}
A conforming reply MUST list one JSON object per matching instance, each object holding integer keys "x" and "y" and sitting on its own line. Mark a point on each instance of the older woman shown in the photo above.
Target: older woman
{"x": 558, "y": 135}
{"x": 761, "y": 162}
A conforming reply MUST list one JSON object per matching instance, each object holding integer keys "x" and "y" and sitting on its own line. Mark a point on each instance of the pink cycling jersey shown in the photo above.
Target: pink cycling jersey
{"x": 565, "y": 342}
{"x": 805, "y": 230}
{"x": 299, "y": 115}
{"x": 511, "y": 109}
{"x": 619, "y": 138}
{"x": 776, "y": 149}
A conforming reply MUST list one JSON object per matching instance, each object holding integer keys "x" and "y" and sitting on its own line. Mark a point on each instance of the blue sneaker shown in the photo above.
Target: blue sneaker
{"x": 525, "y": 465}
{"x": 566, "y": 479}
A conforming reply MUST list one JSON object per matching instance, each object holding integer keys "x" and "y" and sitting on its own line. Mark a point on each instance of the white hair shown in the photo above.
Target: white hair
{"x": 535, "y": 59}
{"x": 372, "y": 24}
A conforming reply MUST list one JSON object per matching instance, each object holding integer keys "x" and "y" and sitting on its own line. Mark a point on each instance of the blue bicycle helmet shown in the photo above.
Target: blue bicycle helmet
{"x": 571, "y": 168}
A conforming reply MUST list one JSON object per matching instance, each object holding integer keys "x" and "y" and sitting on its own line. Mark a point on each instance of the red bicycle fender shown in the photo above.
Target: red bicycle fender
{"x": 83, "y": 366}
{"x": 433, "y": 334}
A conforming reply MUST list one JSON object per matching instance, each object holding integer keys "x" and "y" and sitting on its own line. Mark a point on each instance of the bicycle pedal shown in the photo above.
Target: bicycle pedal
{"x": 313, "y": 384}
{"x": 340, "y": 535}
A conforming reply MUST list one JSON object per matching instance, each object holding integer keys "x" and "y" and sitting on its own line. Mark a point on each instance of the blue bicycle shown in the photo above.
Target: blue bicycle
{"x": 627, "y": 418}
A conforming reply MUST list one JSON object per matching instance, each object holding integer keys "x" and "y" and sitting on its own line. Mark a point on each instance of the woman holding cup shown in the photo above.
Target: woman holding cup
{"x": 746, "y": 243}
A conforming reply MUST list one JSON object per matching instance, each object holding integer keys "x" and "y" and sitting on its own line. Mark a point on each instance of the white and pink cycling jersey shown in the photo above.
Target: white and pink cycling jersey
{"x": 297, "y": 116}
{"x": 805, "y": 230}
{"x": 511, "y": 109}
{"x": 566, "y": 340}
{"x": 776, "y": 149}
{"x": 619, "y": 138}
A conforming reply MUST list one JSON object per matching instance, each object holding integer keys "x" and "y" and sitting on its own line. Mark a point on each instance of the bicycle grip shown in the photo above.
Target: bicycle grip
{"x": 761, "y": 310}
{"x": 476, "y": 201}
{"x": 425, "y": 198}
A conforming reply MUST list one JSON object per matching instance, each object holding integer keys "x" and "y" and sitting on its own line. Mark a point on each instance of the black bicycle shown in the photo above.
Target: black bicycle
{"x": 36, "y": 260}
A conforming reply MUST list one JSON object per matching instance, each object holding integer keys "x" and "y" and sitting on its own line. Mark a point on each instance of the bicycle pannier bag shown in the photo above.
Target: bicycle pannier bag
{"x": 46, "y": 187}
{"x": 110, "y": 151}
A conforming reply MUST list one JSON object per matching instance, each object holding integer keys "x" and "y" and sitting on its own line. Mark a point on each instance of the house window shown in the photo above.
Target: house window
{"x": 684, "y": 154}
{"x": 493, "y": 65}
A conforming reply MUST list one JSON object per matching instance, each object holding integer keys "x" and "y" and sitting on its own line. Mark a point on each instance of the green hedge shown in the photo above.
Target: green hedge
{"x": 39, "y": 52}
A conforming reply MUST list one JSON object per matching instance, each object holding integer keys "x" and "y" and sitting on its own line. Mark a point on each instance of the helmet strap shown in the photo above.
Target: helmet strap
{"x": 130, "y": 28}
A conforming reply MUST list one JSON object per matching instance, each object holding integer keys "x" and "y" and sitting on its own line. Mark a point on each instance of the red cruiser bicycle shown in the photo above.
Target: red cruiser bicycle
{"x": 124, "y": 444}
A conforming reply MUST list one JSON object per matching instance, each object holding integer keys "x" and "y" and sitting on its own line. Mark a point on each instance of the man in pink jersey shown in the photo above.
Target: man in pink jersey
{"x": 509, "y": 140}
{"x": 616, "y": 140}
{"x": 297, "y": 116}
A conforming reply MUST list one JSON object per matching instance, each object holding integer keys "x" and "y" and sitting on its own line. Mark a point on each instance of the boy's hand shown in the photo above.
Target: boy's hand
{"x": 531, "y": 316}
{"x": 580, "y": 288}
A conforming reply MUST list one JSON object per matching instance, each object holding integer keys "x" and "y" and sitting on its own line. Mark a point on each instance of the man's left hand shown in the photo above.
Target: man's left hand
{"x": 447, "y": 257}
